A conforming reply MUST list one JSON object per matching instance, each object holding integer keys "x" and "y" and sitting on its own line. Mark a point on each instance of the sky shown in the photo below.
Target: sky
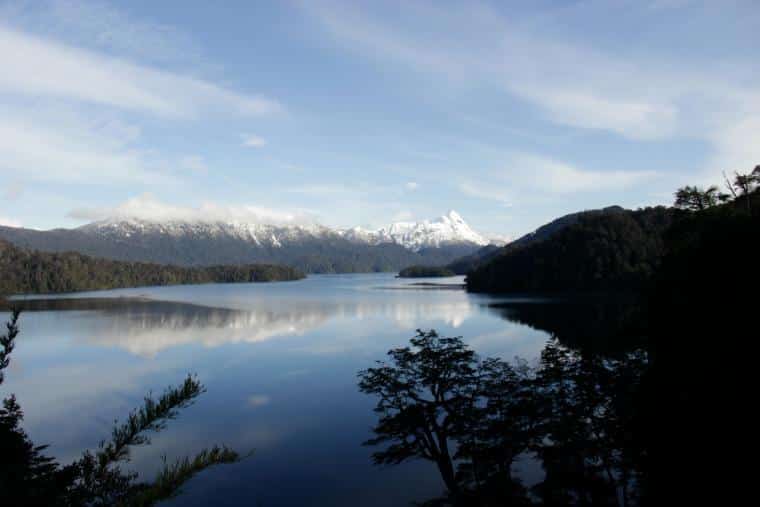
{"x": 363, "y": 113}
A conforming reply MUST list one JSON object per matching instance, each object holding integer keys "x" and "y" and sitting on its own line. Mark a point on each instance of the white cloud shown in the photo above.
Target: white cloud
{"x": 411, "y": 185}
{"x": 542, "y": 177}
{"x": 9, "y": 222}
{"x": 402, "y": 216}
{"x": 148, "y": 207}
{"x": 36, "y": 67}
{"x": 194, "y": 163}
{"x": 70, "y": 152}
{"x": 253, "y": 141}
{"x": 101, "y": 24}
{"x": 571, "y": 78}
{"x": 556, "y": 177}
{"x": 485, "y": 191}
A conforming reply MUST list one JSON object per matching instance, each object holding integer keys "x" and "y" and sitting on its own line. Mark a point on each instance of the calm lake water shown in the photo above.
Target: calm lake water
{"x": 280, "y": 363}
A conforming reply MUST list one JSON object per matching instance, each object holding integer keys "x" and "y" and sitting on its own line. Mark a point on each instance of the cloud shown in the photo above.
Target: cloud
{"x": 556, "y": 177}
{"x": 487, "y": 192}
{"x": 194, "y": 163}
{"x": 411, "y": 185}
{"x": 9, "y": 222}
{"x": 67, "y": 145}
{"x": 42, "y": 67}
{"x": 542, "y": 176}
{"x": 551, "y": 60}
{"x": 402, "y": 216}
{"x": 105, "y": 26}
{"x": 148, "y": 207}
{"x": 253, "y": 141}
{"x": 70, "y": 150}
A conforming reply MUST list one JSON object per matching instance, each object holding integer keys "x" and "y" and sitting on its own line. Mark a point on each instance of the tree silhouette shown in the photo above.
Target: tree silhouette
{"x": 473, "y": 418}
{"x": 696, "y": 198}
{"x": 424, "y": 393}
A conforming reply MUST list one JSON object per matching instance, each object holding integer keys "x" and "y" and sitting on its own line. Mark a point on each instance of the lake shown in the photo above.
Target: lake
{"x": 280, "y": 363}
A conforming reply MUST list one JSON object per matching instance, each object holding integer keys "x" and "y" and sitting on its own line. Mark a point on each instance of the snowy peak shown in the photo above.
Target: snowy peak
{"x": 445, "y": 230}
{"x": 448, "y": 229}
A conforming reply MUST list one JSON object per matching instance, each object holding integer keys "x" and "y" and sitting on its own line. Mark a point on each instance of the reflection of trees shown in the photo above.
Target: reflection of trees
{"x": 473, "y": 417}
{"x": 146, "y": 327}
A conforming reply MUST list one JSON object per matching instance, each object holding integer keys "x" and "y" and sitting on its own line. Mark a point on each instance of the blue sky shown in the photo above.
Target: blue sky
{"x": 362, "y": 113}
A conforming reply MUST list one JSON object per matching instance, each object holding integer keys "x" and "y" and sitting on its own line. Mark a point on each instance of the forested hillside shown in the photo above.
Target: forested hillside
{"x": 25, "y": 271}
{"x": 615, "y": 249}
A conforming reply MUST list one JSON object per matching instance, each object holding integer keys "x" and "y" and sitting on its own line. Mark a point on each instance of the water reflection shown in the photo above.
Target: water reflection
{"x": 146, "y": 327}
{"x": 280, "y": 364}
{"x": 574, "y": 412}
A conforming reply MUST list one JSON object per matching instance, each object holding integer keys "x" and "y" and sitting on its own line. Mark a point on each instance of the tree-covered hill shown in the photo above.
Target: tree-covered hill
{"x": 467, "y": 263}
{"x": 27, "y": 271}
{"x": 614, "y": 249}
{"x": 617, "y": 249}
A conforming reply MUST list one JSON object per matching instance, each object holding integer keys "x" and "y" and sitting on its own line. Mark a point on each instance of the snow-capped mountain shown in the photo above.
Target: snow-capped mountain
{"x": 258, "y": 234}
{"x": 312, "y": 248}
{"x": 447, "y": 229}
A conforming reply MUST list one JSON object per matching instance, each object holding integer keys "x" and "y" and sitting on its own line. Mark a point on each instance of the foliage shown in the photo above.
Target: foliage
{"x": 424, "y": 272}
{"x": 28, "y": 477}
{"x": 600, "y": 251}
{"x": 474, "y": 417}
{"x": 695, "y": 198}
{"x": 38, "y": 272}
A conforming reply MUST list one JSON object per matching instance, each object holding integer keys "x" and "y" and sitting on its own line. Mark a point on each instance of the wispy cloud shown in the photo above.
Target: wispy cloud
{"x": 148, "y": 207}
{"x": 253, "y": 141}
{"x": 194, "y": 163}
{"x": 35, "y": 67}
{"x": 545, "y": 174}
{"x": 638, "y": 96}
{"x": 544, "y": 177}
{"x": 103, "y": 25}
{"x": 69, "y": 148}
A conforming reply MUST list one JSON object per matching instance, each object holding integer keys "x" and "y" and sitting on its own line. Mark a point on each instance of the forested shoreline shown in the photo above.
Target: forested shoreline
{"x": 34, "y": 272}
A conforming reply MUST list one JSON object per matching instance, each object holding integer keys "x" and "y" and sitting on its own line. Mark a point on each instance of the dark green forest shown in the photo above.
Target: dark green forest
{"x": 615, "y": 249}
{"x": 25, "y": 271}
{"x": 602, "y": 251}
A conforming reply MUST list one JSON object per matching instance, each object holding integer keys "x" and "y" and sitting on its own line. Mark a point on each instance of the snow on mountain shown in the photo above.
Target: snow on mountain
{"x": 447, "y": 229}
{"x": 259, "y": 234}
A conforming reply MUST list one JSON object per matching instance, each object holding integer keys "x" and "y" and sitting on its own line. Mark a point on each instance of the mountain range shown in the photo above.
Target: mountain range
{"x": 312, "y": 248}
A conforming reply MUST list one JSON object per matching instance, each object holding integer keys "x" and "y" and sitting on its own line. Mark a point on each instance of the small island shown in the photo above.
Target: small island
{"x": 425, "y": 272}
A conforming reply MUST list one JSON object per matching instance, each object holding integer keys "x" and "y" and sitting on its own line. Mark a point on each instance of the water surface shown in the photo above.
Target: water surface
{"x": 279, "y": 361}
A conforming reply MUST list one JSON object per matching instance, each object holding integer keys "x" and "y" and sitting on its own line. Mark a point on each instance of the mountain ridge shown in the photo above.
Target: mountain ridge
{"x": 312, "y": 248}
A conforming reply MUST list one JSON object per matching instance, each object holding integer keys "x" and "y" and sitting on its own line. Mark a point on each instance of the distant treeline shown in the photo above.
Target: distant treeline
{"x": 424, "y": 272}
{"x": 25, "y": 271}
